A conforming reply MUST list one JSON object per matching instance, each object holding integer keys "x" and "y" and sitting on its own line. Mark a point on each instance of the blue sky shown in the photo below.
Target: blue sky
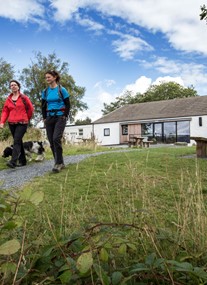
{"x": 111, "y": 45}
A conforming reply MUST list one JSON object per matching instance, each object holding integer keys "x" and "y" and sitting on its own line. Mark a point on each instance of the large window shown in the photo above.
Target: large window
{"x": 147, "y": 129}
{"x": 183, "y": 131}
{"x": 158, "y": 132}
{"x": 168, "y": 132}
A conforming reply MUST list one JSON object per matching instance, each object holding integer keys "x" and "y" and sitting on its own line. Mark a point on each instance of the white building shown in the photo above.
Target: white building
{"x": 166, "y": 121}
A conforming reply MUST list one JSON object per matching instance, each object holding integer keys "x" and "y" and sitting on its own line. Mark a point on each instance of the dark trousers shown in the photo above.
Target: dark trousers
{"x": 55, "y": 127}
{"x": 18, "y": 131}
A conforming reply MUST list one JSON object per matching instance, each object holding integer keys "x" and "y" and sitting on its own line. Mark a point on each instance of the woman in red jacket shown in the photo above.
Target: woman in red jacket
{"x": 17, "y": 110}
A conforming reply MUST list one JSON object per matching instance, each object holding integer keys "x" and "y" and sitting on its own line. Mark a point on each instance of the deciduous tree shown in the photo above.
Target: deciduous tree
{"x": 163, "y": 91}
{"x": 6, "y": 74}
{"x": 85, "y": 121}
{"x": 203, "y": 14}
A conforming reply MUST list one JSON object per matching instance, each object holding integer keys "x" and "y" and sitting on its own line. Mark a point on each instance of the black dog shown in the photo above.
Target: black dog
{"x": 29, "y": 148}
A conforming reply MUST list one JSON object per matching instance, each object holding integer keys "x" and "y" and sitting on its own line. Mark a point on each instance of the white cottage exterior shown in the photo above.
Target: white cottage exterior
{"x": 166, "y": 121}
{"x": 77, "y": 133}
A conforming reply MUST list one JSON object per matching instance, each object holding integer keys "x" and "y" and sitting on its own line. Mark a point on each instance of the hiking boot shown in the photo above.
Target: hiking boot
{"x": 57, "y": 168}
{"x": 10, "y": 164}
{"x": 21, "y": 164}
{"x": 62, "y": 166}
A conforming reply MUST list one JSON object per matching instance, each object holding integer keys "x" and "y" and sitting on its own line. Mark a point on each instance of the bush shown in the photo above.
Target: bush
{"x": 5, "y": 133}
{"x": 33, "y": 134}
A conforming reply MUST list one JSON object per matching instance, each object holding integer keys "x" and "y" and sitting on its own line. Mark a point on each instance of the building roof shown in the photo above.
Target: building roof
{"x": 185, "y": 107}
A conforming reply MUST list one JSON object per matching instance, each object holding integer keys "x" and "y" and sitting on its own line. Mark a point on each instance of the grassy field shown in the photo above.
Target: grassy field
{"x": 157, "y": 193}
{"x": 159, "y": 185}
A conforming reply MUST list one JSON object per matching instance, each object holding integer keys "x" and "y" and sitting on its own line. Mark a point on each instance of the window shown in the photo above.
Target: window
{"x": 147, "y": 129}
{"x": 170, "y": 132}
{"x": 183, "y": 131}
{"x": 107, "y": 132}
{"x": 200, "y": 121}
{"x": 125, "y": 130}
{"x": 80, "y": 132}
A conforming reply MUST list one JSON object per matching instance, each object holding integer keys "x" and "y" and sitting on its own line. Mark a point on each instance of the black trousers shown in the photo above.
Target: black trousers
{"x": 55, "y": 127}
{"x": 18, "y": 131}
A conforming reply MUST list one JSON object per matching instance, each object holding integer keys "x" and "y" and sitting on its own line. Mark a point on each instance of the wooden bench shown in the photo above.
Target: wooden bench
{"x": 131, "y": 143}
{"x": 146, "y": 143}
{"x": 201, "y": 146}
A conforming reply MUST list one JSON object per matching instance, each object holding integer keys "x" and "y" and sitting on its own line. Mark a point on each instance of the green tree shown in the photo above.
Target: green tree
{"x": 86, "y": 121}
{"x": 164, "y": 91}
{"x": 6, "y": 74}
{"x": 167, "y": 91}
{"x": 126, "y": 98}
{"x": 203, "y": 14}
{"x": 33, "y": 78}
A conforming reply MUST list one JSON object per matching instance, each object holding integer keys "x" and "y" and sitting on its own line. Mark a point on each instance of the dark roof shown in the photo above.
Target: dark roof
{"x": 192, "y": 106}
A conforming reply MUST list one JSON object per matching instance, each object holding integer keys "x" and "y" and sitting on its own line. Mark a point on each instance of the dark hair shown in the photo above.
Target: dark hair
{"x": 19, "y": 85}
{"x": 54, "y": 73}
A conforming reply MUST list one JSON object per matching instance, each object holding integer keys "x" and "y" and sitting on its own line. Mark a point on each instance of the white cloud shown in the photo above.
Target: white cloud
{"x": 143, "y": 83}
{"x": 127, "y": 46}
{"x": 24, "y": 11}
{"x": 105, "y": 83}
{"x": 191, "y": 74}
{"x": 139, "y": 86}
{"x": 90, "y": 24}
{"x": 102, "y": 94}
{"x": 164, "y": 79}
{"x": 21, "y": 10}
{"x": 177, "y": 20}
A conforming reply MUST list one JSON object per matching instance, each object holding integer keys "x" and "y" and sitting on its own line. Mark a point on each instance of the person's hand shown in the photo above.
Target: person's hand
{"x": 1, "y": 126}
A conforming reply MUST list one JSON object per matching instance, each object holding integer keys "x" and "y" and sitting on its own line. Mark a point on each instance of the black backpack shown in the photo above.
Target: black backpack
{"x": 24, "y": 102}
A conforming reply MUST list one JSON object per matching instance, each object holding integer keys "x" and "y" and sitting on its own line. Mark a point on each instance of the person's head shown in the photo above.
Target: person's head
{"x": 14, "y": 85}
{"x": 51, "y": 76}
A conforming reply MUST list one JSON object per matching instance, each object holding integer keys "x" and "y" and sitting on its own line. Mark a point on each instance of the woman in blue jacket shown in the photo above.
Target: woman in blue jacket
{"x": 55, "y": 111}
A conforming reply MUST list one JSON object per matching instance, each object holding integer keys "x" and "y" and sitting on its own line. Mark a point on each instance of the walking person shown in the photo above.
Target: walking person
{"x": 18, "y": 111}
{"x": 55, "y": 111}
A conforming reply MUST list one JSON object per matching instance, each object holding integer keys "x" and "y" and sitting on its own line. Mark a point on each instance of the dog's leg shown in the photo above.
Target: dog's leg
{"x": 29, "y": 156}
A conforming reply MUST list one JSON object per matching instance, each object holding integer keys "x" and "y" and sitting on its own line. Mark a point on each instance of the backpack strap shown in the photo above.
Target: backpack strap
{"x": 24, "y": 102}
{"x": 60, "y": 93}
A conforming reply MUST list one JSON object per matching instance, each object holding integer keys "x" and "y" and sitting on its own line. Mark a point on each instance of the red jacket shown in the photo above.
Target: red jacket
{"x": 20, "y": 111}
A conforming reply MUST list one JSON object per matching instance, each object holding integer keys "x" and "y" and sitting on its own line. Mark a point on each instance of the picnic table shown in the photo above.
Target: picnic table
{"x": 135, "y": 140}
{"x": 201, "y": 146}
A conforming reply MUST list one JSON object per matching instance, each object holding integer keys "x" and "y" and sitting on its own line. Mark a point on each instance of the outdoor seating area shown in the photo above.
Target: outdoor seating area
{"x": 201, "y": 146}
{"x": 138, "y": 141}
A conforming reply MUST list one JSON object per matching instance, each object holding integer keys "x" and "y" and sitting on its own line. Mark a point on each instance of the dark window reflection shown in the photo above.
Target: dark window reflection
{"x": 170, "y": 132}
{"x": 167, "y": 132}
{"x": 183, "y": 131}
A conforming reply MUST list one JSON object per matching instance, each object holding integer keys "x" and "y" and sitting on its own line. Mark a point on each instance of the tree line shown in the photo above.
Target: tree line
{"x": 163, "y": 91}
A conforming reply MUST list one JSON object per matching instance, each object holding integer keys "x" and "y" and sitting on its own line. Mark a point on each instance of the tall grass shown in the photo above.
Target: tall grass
{"x": 157, "y": 189}
{"x": 160, "y": 194}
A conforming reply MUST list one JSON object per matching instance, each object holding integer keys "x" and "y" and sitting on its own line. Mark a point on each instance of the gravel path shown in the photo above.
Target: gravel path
{"x": 10, "y": 178}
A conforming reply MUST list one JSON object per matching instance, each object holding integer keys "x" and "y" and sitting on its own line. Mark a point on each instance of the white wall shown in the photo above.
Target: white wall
{"x": 112, "y": 139}
{"x": 196, "y": 130}
{"x": 74, "y": 134}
